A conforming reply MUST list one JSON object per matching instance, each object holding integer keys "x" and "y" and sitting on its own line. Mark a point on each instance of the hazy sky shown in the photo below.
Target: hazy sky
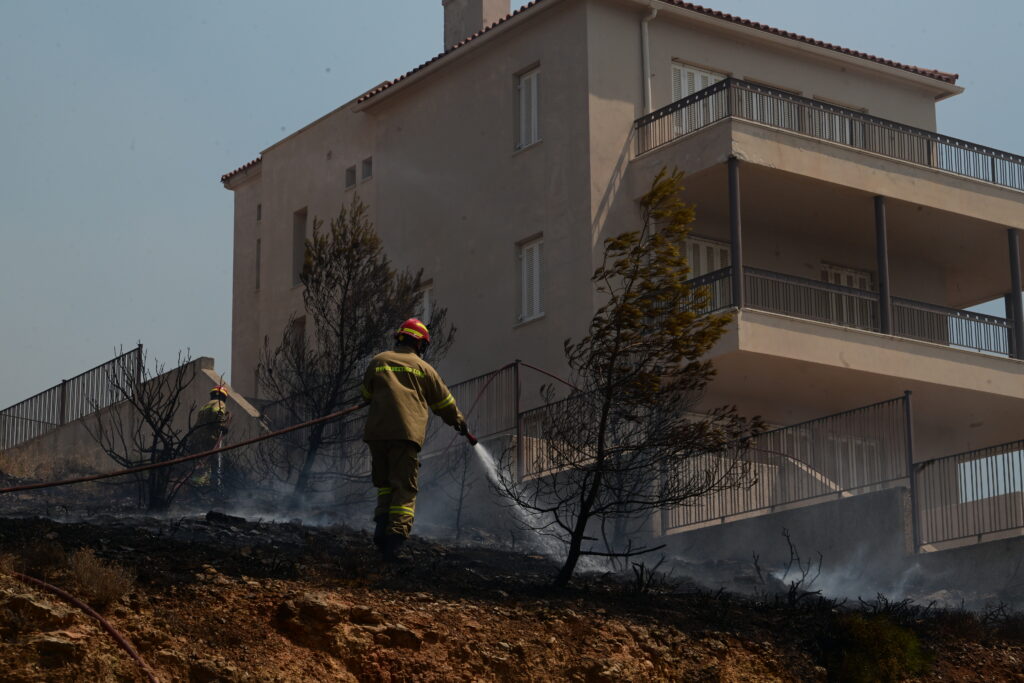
{"x": 118, "y": 117}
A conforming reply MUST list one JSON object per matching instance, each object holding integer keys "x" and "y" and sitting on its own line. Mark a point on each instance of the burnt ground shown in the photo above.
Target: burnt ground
{"x": 220, "y": 598}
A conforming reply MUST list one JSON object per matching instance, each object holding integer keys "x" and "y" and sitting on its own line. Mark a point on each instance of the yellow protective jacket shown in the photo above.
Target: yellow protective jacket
{"x": 402, "y": 389}
{"x": 211, "y": 423}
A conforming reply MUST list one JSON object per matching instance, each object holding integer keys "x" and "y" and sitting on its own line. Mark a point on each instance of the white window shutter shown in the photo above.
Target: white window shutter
{"x": 531, "y": 295}
{"x": 528, "y": 108}
{"x": 538, "y": 291}
{"x": 535, "y": 106}
{"x": 527, "y": 283}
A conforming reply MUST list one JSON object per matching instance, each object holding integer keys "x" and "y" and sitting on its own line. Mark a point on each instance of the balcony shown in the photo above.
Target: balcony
{"x": 732, "y": 98}
{"x": 860, "y": 309}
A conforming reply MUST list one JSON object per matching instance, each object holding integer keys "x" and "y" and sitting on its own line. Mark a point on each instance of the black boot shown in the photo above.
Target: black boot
{"x": 380, "y": 532}
{"x": 392, "y": 544}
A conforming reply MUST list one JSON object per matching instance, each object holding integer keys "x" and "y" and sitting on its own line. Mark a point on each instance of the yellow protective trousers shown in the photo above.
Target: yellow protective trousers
{"x": 395, "y": 471}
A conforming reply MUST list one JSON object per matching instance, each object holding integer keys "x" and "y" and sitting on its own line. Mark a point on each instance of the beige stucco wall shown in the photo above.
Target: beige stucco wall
{"x": 449, "y": 194}
{"x": 304, "y": 171}
{"x": 247, "y": 308}
{"x": 468, "y": 197}
{"x": 688, "y": 38}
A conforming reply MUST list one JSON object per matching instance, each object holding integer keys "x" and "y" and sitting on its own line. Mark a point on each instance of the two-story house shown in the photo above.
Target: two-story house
{"x": 846, "y": 233}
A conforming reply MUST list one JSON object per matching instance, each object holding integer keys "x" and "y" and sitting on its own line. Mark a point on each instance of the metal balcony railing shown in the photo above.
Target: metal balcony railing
{"x": 68, "y": 401}
{"x": 969, "y": 495}
{"x": 824, "y": 302}
{"x": 780, "y": 109}
{"x": 832, "y": 457}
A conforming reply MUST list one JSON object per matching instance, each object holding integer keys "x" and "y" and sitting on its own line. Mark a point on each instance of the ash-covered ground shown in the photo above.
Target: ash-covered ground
{"x": 217, "y": 596}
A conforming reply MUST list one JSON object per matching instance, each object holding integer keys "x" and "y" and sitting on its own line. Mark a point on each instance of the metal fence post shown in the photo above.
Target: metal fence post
{"x": 63, "y": 402}
{"x": 520, "y": 465}
{"x": 138, "y": 366}
{"x": 911, "y": 470}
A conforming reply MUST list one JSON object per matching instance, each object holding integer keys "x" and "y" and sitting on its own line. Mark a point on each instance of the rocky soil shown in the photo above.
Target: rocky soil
{"x": 221, "y": 598}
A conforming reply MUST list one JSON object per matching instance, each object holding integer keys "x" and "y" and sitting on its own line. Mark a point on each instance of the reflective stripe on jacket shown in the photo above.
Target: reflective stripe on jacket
{"x": 215, "y": 412}
{"x": 402, "y": 389}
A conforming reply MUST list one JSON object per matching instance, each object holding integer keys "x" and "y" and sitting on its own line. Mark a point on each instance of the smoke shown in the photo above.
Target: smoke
{"x": 529, "y": 520}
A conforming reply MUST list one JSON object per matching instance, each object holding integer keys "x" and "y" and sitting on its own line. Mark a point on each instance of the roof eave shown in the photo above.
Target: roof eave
{"x": 240, "y": 175}
{"x": 942, "y": 88}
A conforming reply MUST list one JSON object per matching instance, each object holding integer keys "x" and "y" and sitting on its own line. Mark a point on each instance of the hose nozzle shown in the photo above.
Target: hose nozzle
{"x": 471, "y": 439}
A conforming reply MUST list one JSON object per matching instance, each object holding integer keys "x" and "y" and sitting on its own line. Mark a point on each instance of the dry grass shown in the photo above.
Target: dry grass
{"x": 103, "y": 582}
{"x": 43, "y": 558}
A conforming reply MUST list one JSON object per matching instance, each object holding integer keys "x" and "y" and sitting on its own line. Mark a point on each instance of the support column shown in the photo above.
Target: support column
{"x": 908, "y": 415}
{"x": 882, "y": 257}
{"x": 736, "y": 233}
{"x": 1016, "y": 305}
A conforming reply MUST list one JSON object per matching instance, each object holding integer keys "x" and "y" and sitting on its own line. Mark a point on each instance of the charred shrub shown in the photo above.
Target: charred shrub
{"x": 867, "y": 648}
{"x": 103, "y": 582}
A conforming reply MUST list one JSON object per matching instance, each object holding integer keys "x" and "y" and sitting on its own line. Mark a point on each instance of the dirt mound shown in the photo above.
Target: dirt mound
{"x": 222, "y": 598}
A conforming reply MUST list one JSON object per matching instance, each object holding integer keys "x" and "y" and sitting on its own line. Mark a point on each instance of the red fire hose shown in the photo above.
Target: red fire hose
{"x": 184, "y": 458}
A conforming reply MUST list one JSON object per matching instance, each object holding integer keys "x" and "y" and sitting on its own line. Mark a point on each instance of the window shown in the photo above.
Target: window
{"x": 527, "y": 108}
{"x": 298, "y": 244}
{"x": 687, "y": 80}
{"x": 259, "y": 212}
{"x": 705, "y": 256}
{"x": 259, "y": 259}
{"x": 426, "y": 305}
{"x": 847, "y": 277}
{"x": 531, "y": 262}
{"x": 850, "y": 309}
{"x": 367, "y": 168}
{"x": 350, "y": 177}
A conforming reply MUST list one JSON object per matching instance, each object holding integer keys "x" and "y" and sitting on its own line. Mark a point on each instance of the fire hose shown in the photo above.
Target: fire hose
{"x": 185, "y": 458}
{"x": 121, "y": 640}
{"x": 248, "y": 442}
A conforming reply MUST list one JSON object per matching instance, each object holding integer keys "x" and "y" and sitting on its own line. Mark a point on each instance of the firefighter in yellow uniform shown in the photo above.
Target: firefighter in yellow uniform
{"x": 402, "y": 389}
{"x": 211, "y": 425}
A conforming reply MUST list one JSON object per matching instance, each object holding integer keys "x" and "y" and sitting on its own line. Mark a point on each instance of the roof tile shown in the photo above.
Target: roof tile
{"x": 227, "y": 176}
{"x": 930, "y": 73}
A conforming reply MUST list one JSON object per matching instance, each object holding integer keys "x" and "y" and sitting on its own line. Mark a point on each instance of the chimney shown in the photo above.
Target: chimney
{"x": 463, "y": 18}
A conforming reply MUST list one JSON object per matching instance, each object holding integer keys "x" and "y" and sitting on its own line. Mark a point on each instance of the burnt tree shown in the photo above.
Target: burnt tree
{"x": 353, "y": 300}
{"x": 633, "y": 436}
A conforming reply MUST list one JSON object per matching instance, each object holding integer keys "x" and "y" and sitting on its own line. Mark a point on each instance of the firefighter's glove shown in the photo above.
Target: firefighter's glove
{"x": 462, "y": 428}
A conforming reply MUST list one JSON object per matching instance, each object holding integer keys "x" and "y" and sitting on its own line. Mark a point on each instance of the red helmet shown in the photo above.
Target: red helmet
{"x": 414, "y": 328}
